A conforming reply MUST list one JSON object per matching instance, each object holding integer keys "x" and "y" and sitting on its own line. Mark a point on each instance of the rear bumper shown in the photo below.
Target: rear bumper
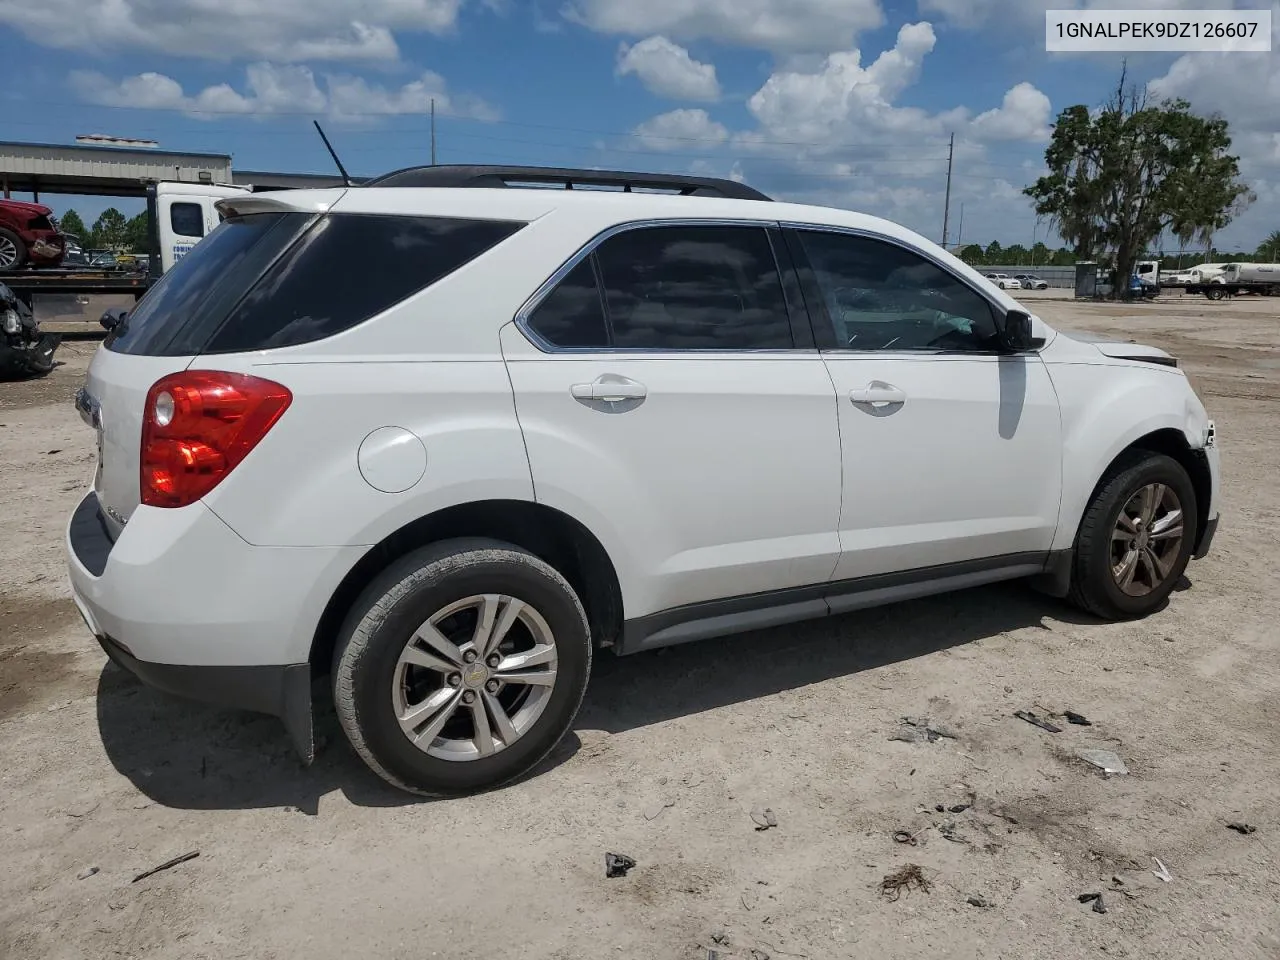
{"x": 281, "y": 691}
{"x": 182, "y": 602}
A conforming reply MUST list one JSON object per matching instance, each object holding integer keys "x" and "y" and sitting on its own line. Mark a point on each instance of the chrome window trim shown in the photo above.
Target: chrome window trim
{"x": 925, "y": 255}
{"x": 535, "y": 300}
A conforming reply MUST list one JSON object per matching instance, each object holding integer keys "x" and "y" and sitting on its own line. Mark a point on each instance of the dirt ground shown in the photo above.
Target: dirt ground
{"x": 673, "y": 750}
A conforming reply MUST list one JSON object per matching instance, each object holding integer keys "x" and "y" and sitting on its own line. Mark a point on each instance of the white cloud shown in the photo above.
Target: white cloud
{"x": 665, "y": 68}
{"x": 681, "y": 129}
{"x": 787, "y": 26}
{"x": 1024, "y": 115}
{"x": 1245, "y": 89}
{"x": 828, "y": 104}
{"x": 275, "y": 89}
{"x": 282, "y": 31}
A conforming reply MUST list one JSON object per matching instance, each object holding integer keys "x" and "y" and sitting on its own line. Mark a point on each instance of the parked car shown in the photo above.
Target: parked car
{"x": 1029, "y": 282}
{"x": 445, "y": 444}
{"x": 28, "y": 236}
{"x": 1004, "y": 281}
{"x": 73, "y": 255}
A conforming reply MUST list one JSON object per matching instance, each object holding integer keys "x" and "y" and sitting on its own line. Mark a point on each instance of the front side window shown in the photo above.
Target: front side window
{"x": 187, "y": 219}
{"x": 880, "y": 296}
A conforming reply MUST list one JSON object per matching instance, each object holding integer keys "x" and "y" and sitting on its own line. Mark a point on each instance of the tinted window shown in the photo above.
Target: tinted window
{"x": 177, "y": 315}
{"x": 187, "y": 219}
{"x": 572, "y": 315}
{"x": 880, "y": 296}
{"x": 694, "y": 288}
{"x": 346, "y": 269}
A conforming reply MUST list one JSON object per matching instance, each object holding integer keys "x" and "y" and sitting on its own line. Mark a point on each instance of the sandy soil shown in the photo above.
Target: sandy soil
{"x": 671, "y": 753}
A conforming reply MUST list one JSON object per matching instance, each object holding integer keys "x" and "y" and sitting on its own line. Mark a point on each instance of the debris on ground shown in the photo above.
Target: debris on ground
{"x": 909, "y": 838}
{"x": 1079, "y": 719}
{"x": 764, "y": 818}
{"x": 86, "y": 873}
{"x": 922, "y": 730}
{"x": 1162, "y": 871}
{"x": 981, "y": 902}
{"x": 617, "y": 864}
{"x": 1105, "y": 760}
{"x": 948, "y": 830}
{"x": 1099, "y": 905}
{"x": 654, "y": 811}
{"x": 168, "y": 864}
{"x": 1040, "y": 722}
{"x": 906, "y": 878}
{"x": 1244, "y": 828}
{"x": 959, "y": 807}
{"x": 940, "y": 807}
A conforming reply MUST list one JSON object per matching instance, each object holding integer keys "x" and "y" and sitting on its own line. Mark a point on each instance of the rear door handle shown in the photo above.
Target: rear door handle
{"x": 877, "y": 391}
{"x": 609, "y": 387}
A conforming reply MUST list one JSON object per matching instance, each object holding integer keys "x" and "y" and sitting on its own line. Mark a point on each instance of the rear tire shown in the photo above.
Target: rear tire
{"x": 1135, "y": 539}
{"x": 13, "y": 252}
{"x": 461, "y": 667}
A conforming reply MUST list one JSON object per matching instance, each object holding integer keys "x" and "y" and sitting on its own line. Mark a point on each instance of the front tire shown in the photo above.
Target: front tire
{"x": 1135, "y": 539}
{"x": 461, "y": 667}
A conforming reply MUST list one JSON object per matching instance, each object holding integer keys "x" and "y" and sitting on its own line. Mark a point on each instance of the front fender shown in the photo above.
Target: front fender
{"x": 1107, "y": 408}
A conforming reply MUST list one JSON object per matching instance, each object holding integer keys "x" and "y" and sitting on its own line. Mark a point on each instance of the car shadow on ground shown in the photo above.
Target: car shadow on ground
{"x": 191, "y": 756}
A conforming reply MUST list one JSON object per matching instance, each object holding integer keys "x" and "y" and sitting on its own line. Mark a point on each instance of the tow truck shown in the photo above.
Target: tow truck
{"x": 180, "y": 215}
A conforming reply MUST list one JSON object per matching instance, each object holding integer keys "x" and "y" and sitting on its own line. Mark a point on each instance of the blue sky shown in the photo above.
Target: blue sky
{"x": 845, "y": 102}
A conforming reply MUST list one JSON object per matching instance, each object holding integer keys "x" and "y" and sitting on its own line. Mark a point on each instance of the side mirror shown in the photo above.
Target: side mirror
{"x": 113, "y": 317}
{"x": 1016, "y": 333}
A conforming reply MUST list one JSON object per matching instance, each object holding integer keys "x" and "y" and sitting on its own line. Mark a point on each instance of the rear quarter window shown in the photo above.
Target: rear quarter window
{"x": 280, "y": 279}
{"x": 348, "y": 268}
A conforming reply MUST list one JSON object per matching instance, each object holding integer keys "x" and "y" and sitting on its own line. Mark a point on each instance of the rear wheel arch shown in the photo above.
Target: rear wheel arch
{"x": 555, "y": 537}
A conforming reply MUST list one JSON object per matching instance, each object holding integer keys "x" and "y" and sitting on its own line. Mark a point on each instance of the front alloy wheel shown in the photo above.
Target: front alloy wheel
{"x": 1135, "y": 538}
{"x": 1147, "y": 539}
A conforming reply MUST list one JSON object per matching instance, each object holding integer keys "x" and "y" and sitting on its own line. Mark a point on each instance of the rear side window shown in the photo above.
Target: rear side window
{"x": 187, "y": 219}
{"x": 572, "y": 315}
{"x": 346, "y": 269}
{"x": 694, "y": 288}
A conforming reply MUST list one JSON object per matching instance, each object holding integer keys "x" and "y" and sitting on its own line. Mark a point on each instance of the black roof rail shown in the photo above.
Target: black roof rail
{"x": 465, "y": 175}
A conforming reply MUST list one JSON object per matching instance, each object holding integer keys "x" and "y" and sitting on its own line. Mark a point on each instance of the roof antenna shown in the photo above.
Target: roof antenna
{"x": 346, "y": 179}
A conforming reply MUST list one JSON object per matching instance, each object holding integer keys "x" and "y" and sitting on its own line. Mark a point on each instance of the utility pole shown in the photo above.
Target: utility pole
{"x": 433, "y": 131}
{"x": 946, "y": 206}
{"x": 960, "y": 232}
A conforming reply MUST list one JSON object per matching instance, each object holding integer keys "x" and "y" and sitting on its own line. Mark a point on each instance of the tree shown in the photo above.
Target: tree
{"x": 1120, "y": 177}
{"x": 971, "y": 254}
{"x": 137, "y": 233}
{"x": 993, "y": 253}
{"x": 72, "y": 224}
{"x": 109, "y": 229}
{"x": 1017, "y": 254}
{"x": 1040, "y": 255}
{"x": 1269, "y": 249}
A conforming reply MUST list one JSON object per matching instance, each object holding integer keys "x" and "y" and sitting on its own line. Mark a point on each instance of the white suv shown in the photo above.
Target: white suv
{"x": 443, "y": 435}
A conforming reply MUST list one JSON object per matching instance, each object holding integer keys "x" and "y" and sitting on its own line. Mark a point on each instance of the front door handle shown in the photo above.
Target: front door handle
{"x": 609, "y": 387}
{"x": 877, "y": 391}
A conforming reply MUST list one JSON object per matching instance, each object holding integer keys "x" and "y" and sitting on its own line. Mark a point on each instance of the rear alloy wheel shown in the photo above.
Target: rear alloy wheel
{"x": 461, "y": 667}
{"x": 13, "y": 252}
{"x": 1136, "y": 538}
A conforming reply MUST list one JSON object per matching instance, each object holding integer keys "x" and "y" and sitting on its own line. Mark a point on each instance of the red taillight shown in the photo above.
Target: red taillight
{"x": 197, "y": 426}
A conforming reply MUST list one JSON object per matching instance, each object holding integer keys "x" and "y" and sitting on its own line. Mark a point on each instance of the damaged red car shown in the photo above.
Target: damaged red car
{"x": 29, "y": 235}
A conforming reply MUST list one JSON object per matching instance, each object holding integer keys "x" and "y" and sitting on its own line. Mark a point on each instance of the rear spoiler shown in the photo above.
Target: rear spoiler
{"x": 284, "y": 201}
